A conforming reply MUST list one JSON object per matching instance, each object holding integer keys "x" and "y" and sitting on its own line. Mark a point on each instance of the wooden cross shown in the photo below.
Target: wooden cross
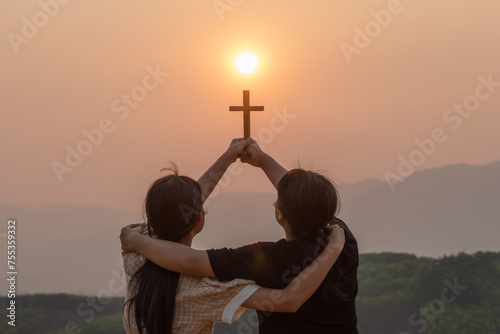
{"x": 246, "y": 108}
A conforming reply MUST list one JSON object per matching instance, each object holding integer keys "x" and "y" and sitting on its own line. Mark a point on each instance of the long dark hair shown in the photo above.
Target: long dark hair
{"x": 309, "y": 201}
{"x": 173, "y": 205}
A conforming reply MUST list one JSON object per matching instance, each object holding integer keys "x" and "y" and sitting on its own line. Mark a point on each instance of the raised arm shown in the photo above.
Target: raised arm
{"x": 209, "y": 180}
{"x": 291, "y": 298}
{"x": 258, "y": 158}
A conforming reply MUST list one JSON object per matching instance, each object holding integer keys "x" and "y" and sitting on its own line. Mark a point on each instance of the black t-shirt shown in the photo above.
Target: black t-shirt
{"x": 275, "y": 264}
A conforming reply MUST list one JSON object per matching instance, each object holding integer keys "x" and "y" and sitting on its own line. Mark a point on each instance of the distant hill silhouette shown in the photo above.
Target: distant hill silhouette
{"x": 75, "y": 249}
{"x": 398, "y": 293}
{"x": 434, "y": 212}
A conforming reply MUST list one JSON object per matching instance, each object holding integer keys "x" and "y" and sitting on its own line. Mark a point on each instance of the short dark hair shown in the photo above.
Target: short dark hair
{"x": 308, "y": 201}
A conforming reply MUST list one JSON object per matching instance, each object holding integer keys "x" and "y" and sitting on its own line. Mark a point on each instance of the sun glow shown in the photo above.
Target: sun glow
{"x": 246, "y": 62}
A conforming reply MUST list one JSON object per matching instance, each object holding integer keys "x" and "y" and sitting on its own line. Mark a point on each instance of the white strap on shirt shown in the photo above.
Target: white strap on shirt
{"x": 234, "y": 310}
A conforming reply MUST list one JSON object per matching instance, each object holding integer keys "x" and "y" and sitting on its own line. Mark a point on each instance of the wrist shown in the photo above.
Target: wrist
{"x": 228, "y": 158}
{"x": 262, "y": 160}
{"x": 132, "y": 242}
{"x": 334, "y": 247}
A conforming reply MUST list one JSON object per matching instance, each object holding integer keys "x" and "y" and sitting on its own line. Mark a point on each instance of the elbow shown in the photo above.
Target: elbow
{"x": 191, "y": 262}
{"x": 170, "y": 263}
{"x": 186, "y": 268}
{"x": 294, "y": 307}
{"x": 183, "y": 268}
{"x": 289, "y": 301}
{"x": 291, "y": 306}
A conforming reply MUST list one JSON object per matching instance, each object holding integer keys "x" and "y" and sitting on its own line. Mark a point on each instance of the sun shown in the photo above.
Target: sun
{"x": 246, "y": 62}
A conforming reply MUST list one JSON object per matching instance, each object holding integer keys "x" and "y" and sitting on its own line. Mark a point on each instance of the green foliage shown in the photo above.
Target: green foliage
{"x": 401, "y": 293}
{"x": 110, "y": 324}
{"x": 60, "y": 313}
{"x": 398, "y": 293}
{"x": 458, "y": 320}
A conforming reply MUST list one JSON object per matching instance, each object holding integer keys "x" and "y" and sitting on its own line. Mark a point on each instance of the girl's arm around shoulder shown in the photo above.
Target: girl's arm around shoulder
{"x": 291, "y": 298}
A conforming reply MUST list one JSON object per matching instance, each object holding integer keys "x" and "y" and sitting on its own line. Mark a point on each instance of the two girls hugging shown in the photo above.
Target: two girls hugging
{"x": 304, "y": 283}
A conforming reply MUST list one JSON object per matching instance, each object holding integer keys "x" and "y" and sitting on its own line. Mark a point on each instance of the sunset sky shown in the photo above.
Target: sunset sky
{"x": 349, "y": 114}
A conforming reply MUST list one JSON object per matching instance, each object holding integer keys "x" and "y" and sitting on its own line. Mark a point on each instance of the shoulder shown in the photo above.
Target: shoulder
{"x": 349, "y": 235}
{"x": 211, "y": 300}
{"x": 132, "y": 262}
{"x": 349, "y": 257}
{"x": 255, "y": 247}
{"x": 209, "y": 282}
{"x": 241, "y": 252}
{"x": 259, "y": 245}
{"x": 252, "y": 261}
{"x": 198, "y": 287}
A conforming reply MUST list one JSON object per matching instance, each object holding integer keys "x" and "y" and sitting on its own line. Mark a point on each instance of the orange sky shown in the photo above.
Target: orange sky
{"x": 351, "y": 117}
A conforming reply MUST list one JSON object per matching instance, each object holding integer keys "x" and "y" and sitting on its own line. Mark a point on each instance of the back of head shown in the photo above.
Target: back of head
{"x": 308, "y": 201}
{"x": 173, "y": 205}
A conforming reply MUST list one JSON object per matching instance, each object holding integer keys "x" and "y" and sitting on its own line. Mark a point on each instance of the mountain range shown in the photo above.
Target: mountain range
{"x": 75, "y": 249}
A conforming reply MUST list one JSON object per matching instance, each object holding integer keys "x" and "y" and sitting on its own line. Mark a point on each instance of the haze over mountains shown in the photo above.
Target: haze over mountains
{"x": 434, "y": 212}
